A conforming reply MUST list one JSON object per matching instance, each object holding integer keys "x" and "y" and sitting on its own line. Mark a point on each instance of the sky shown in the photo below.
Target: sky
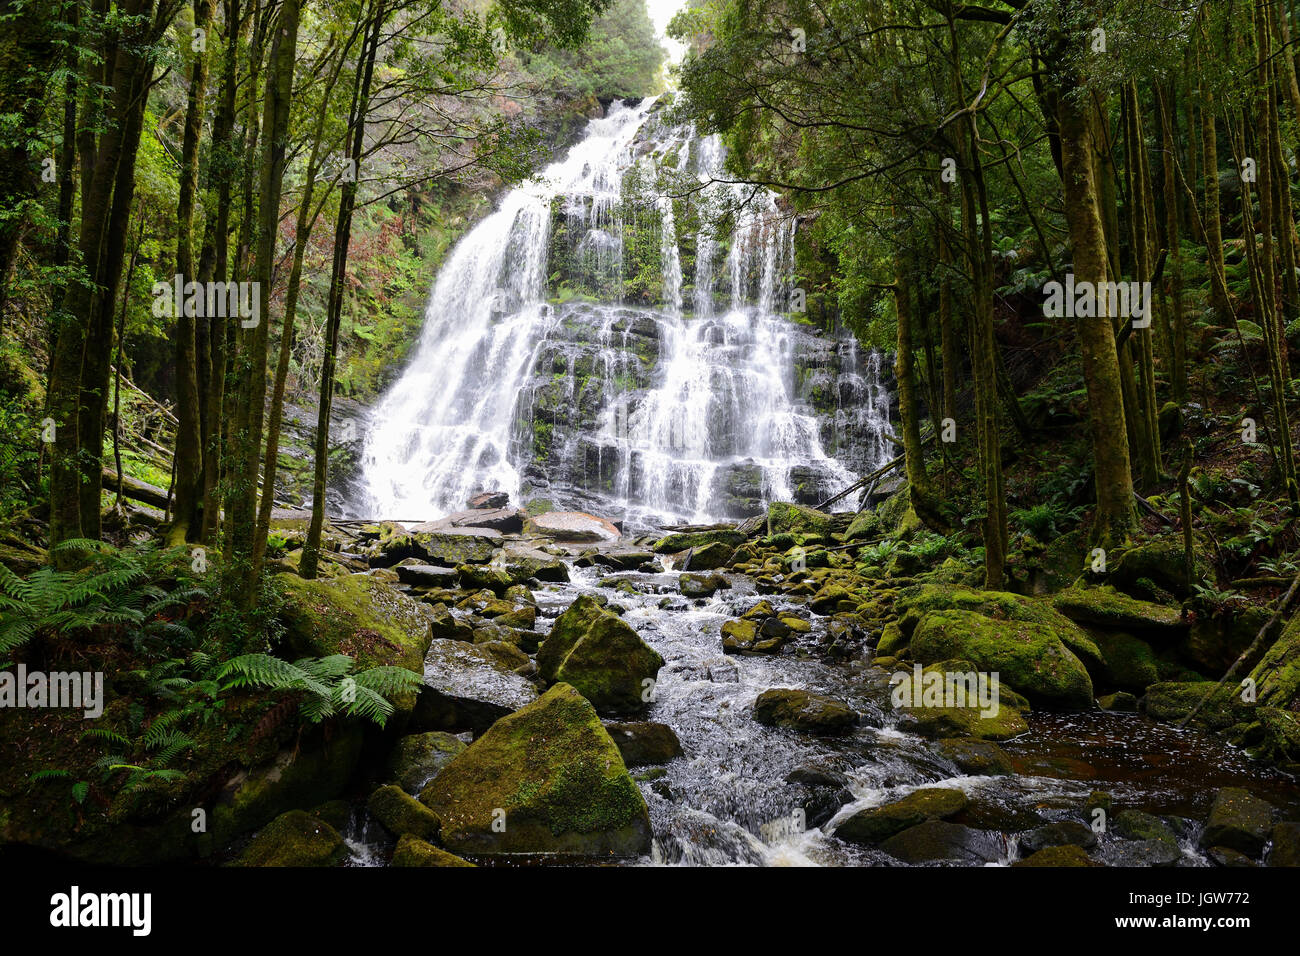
{"x": 661, "y": 11}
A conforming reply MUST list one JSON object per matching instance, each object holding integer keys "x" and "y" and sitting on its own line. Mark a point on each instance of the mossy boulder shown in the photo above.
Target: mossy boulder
{"x": 417, "y": 758}
{"x": 865, "y": 524}
{"x": 357, "y": 615}
{"x": 1173, "y": 700}
{"x": 1028, "y": 656}
{"x": 785, "y": 516}
{"x": 1161, "y": 562}
{"x": 1286, "y": 845}
{"x": 975, "y": 757}
{"x": 877, "y": 824}
{"x": 1239, "y": 821}
{"x": 295, "y": 838}
{"x": 400, "y": 813}
{"x": 710, "y": 557}
{"x": 1068, "y": 855}
{"x": 702, "y": 585}
{"x": 1277, "y": 675}
{"x": 594, "y": 651}
{"x": 445, "y": 626}
{"x": 1138, "y": 825}
{"x": 685, "y": 540}
{"x": 546, "y": 779}
{"x": 1215, "y": 641}
{"x": 940, "y": 840}
{"x": 1130, "y": 664}
{"x": 1060, "y": 833}
{"x": 478, "y": 577}
{"x": 1108, "y": 608}
{"x": 467, "y": 687}
{"x": 804, "y": 711}
{"x": 412, "y": 851}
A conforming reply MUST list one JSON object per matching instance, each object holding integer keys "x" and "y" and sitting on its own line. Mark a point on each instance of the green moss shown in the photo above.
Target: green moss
{"x": 1107, "y": 607}
{"x": 295, "y": 838}
{"x": 412, "y": 851}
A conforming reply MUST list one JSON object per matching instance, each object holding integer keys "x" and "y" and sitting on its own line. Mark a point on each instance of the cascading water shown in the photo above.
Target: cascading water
{"x": 577, "y": 347}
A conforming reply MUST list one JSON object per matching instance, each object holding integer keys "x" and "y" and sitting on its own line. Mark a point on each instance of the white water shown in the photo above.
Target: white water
{"x": 722, "y": 395}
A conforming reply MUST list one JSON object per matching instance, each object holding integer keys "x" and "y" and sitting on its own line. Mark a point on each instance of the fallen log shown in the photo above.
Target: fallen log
{"x": 136, "y": 490}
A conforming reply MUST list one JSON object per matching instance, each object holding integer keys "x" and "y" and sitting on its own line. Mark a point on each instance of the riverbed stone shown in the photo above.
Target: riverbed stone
{"x": 975, "y": 757}
{"x": 1061, "y": 833}
{"x": 805, "y": 711}
{"x": 710, "y": 557}
{"x": 594, "y": 651}
{"x": 467, "y": 688}
{"x": 1066, "y": 855}
{"x": 1238, "y": 820}
{"x": 644, "y": 742}
{"x": 1139, "y": 825}
{"x": 557, "y": 776}
{"x": 940, "y": 840}
{"x": 573, "y": 526}
{"x": 412, "y": 851}
{"x": 1174, "y": 700}
{"x": 702, "y": 585}
{"x": 1286, "y": 845}
{"x": 295, "y": 838}
{"x": 400, "y": 813}
{"x": 417, "y": 758}
{"x": 877, "y": 824}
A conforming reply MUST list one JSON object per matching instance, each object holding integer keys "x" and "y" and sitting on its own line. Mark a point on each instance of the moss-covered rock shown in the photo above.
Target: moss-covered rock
{"x": 477, "y": 577}
{"x": 865, "y": 524}
{"x": 356, "y": 615}
{"x": 876, "y": 824}
{"x": 1068, "y": 855}
{"x": 1028, "y": 656}
{"x": 1173, "y": 700}
{"x": 594, "y": 651}
{"x": 1161, "y": 562}
{"x": 784, "y": 516}
{"x": 1277, "y": 675}
{"x": 975, "y": 757}
{"x": 685, "y": 540}
{"x": 1215, "y": 641}
{"x": 940, "y": 840}
{"x": 712, "y": 556}
{"x": 1060, "y": 833}
{"x": 1109, "y": 608}
{"x": 1138, "y": 825}
{"x": 1239, "y": 821}
{"x": 702, "y": 585}
{"x": 1130, "y": 664}
{"x": 401, "y": 813}
{"x": 416, "y": 758}
{"x": 546, "y": 779}
{"x": 1286, "y": 845}
{"x": 412, "y": 851}
{"x": 295, "y": 838}
{"x": 804, "y": 711}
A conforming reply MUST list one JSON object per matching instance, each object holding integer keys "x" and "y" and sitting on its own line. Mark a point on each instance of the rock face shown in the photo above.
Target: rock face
{"x": 804, "y": 711}
{"x": 552, "y": 781}
{"x": 573, "y": 526}
{"x": 295, "y": 838}
{"x": 594, "y": 651}
{"x": 1238, "y": 821}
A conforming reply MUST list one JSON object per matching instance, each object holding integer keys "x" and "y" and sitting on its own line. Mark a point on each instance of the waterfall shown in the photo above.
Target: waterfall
{"x": 559, "y": 358}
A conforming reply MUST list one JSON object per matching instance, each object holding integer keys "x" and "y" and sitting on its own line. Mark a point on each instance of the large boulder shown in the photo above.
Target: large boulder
{"x": 1028, "y": 656}
{"x": 1220, "y": 707}
{"x": 546, "y": 779}
{"x": 710, "y": 557}
{"x": 1109, "y": 608}
{"x": 573, "y": 526}
{"x": 594, "y": 651}
{"x": 702, "y": 585}
{"x": 701, "y": 538}
{"x": 466, "y": 687}
{"x": 295, "y": 838}
{"x": 436, "y": 544}
{"x": 785, "y": 516}
{"x": 939, "y": 840}
{"x": 400, "y": 813}
{"x": 644, "y": 742}
{"x": 804, "y": 711}
{"x": 1161, "y": 563}
{"x": 1239, "y": 821}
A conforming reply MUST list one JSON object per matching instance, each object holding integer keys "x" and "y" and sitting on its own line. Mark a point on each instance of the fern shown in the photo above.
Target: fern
{"x": 327, "y": 683}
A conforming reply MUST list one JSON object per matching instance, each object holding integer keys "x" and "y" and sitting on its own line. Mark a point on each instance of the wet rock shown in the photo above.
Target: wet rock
{"x": 975, "y": 757}
{"x": 445, "y": 546}
{"x": 877, "y": 824}
{"x": 1062, "y": 833}
{"x": 416, "y": 758}
{"x": 1286, "y": 845}
{"x": 937, "y": 840}
{"x": 1161, "y": 562}
{"x": 1239, "y": 821}
{"x": 557, "y": 775}
{"x": 1129, "y": 662}
{"x": 644, "y": 742}
{"x": 710, "y": 557}
{"x": 702, "y": 585}
{"x": 1119, "y": 701}
{"x": 963, "y": 722}
{"x": 444, "y": 626}
{"x": 425, "y": 575}
{"x": 805, "y": 711}
{"x": 505, "y": 520}
{"x": 412, "y": 851}
{"x": 573, "y": 526}
{"x": 467, "y": 688}
{"x": 597, "y": 653}
{"x": 754, "y": 637}
{"x": 400, "y": 813}
{"x": 1068, "y": 855}
{"x": 1137, "y": 825}
{"x": 479, "y": 577}
{"x": 295, "y": 838}
{"x": 488, "y": 499}
{"x": 1226, "y": 857}
{"x": 701, "y": 538}
{"x": 1143, "y": 853}
{"x": 833, "y": 598}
